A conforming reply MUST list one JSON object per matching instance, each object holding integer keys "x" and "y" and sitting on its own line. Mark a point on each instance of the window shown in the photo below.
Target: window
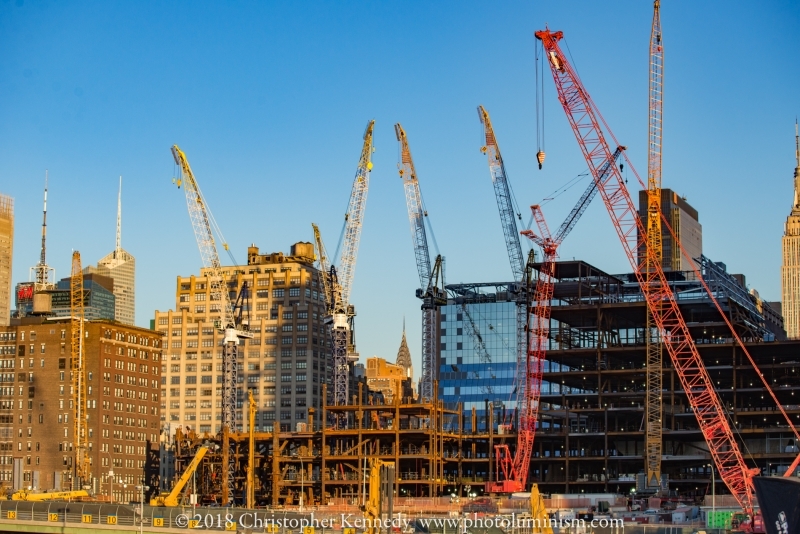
{"x": 277, "y": 293}
{"x": 287, "y": 315}
{"x": 177, "y": 320}
{"x": 286, "y": 340}
{"x": 294, "y": 292}
{"x": 191, "y": 380}
{"x": 286, "y": 414}
{"x": 286, "y": 378}
{"x": 301, "y": 365}
{"x": 286, "y": 328}
{"x": 300, "y": 415}
{"x": 300, "y": 377}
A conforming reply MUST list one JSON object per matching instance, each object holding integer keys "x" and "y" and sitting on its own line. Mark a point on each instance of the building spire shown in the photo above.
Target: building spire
{"x": 118, "y": 248}
{"x": 796, "y": 169}
{"x": 797, "y": 143}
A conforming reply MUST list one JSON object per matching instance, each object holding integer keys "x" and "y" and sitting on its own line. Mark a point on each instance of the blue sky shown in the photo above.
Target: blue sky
{"x": 269, "y": 101}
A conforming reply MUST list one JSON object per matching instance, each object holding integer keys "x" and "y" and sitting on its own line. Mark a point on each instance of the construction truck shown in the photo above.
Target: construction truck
{"x": 173, "y": 497}
{"x": 26, "y": 495}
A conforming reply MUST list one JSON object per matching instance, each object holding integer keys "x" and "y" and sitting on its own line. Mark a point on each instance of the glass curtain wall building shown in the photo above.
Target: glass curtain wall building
{"x": 478, "y": 352}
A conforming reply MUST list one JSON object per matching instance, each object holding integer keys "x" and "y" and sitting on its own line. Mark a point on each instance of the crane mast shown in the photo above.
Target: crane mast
{"x": 232, "y": 332}
{"x": 653, "y": 398}
{"x": 80, "y": 437}
{"x": 585, "y": 120}
{"x": 431, "y": 280}
{"x": 334, "y": 308}
{"x": 341, "y": 316}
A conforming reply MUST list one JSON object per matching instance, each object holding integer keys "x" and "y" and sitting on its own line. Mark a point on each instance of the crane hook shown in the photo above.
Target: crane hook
{"x": 540, "y": 158}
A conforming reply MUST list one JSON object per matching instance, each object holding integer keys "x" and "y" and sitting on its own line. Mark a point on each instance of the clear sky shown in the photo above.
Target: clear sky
{"x": 269, "y": 101}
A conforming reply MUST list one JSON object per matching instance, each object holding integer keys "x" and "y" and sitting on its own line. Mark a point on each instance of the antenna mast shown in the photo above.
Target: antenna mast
{"x": 118, "y": 249}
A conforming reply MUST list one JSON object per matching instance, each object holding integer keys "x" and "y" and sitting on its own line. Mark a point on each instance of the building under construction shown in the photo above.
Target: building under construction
{"x": 326, "y": 463}
{"x": 591, "y": 434}
{"x": 590, "y": 437}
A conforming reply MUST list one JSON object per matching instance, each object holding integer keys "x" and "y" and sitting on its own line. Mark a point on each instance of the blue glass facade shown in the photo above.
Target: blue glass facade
{"x": 477, "y": 355}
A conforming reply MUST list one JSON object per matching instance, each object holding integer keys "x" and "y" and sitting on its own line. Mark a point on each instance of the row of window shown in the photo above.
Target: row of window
{"x": 299, "y": 415}
{"x": 207, "y": 392}
{"x": 252, "y": 379}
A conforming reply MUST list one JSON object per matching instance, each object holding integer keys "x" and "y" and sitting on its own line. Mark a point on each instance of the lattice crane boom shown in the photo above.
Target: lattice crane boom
{"x": 324, "y": 264}
{"x": 585, "y": 120}
{"x": 201, "y": 219}
{"x": 653, "y": 396}
{"x": 201, "y": 224}
{"x": 431, "y": 279}
{"x": 355, "y": 215}
{"x": 416, "y": 209}
{"x": 78, "y": 368}
{"x": 502, "y": 192}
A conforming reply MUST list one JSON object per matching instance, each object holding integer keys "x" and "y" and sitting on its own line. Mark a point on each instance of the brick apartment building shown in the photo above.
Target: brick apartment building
{"x": 123, "y": 378}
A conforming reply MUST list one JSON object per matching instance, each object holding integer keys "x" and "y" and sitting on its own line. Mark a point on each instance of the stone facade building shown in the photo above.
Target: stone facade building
{"x": 284, "y": 365}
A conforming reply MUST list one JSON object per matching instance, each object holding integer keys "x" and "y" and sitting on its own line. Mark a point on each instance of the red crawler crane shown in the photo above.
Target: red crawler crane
{"x": 512, "y": 471}
{"x": 583, "y": 117}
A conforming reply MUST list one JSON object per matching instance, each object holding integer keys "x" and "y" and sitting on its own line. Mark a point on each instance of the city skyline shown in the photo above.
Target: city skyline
{"x": 251, "y": 146}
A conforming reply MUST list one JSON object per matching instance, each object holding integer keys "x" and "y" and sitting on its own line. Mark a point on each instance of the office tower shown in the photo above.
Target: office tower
{"x": 685, "y": 222}
{"x": 120, "y": 265}
{"x": 478, "y": 352}
{"x": 790, "y": 271}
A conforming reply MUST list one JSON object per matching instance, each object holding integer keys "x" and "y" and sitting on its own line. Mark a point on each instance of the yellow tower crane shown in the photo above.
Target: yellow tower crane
{"x": 653, "y": 398}
{"x": 251, "y": 453}
{"x": 82, "y": 470}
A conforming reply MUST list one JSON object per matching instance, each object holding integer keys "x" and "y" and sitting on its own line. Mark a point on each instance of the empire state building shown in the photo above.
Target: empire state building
{"x": 790, "y": 271}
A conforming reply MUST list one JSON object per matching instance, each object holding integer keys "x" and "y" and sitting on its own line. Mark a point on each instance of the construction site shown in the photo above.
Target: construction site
{"x": 658, "y": 386}
{"x": 665, "y": 394}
